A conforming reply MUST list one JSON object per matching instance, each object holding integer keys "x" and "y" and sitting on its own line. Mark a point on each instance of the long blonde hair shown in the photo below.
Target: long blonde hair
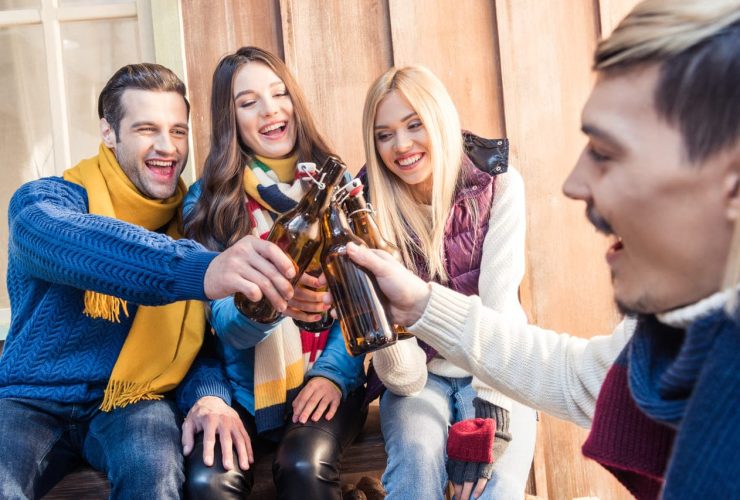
{"x": 399, "y": 215}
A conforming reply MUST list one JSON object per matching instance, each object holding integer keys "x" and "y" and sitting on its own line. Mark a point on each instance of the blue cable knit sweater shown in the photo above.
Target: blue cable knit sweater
{"x": 56, "y": 251}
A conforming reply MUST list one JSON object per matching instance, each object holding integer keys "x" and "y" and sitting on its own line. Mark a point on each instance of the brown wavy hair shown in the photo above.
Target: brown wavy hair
{"x": 219, "y": 218}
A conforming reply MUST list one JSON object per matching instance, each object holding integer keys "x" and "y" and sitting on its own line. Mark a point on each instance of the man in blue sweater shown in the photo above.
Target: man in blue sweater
{"x": 101, "y": 359}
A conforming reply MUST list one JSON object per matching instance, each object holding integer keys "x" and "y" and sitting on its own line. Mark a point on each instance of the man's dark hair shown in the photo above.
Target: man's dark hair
{"x": 697, "y": 47}
{"x": 144, "y": 76}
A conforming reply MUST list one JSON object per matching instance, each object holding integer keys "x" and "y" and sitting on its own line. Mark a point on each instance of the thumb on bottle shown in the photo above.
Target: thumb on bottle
{"x": 372, "y": 260}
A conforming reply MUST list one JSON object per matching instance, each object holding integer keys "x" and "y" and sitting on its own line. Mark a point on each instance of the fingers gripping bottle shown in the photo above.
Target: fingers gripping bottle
{"x": 298, "y": 233}
{"x": 314, "y": 269}
{"x": 362, "y": 220}
{"x": 360, "y": 311}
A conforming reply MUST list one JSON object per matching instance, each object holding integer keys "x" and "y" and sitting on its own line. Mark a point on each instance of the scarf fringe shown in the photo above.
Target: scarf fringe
{"x": 120, "y": 393}
{"x": 107, "y": 307}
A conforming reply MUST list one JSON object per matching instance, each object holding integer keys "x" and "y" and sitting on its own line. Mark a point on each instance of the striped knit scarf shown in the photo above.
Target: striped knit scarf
{"x": 282, "y": 359}
{"x": 666, "y": 420}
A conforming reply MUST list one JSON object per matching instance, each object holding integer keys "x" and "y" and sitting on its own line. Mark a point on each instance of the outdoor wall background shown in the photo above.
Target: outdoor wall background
{"x": 516, "y": 68}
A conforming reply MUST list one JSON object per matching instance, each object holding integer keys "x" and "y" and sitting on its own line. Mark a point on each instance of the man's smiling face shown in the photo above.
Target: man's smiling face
{"x": 666, "y": 215}
{"x": 152, "y": 142}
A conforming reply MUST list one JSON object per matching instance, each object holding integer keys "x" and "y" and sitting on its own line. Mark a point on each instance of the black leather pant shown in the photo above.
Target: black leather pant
{"x": 306, "y": 462}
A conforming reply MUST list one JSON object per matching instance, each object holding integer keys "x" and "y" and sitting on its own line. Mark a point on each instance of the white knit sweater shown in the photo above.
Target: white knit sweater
{"x": 556, "y": 373}
{"x": 402, "y": 368}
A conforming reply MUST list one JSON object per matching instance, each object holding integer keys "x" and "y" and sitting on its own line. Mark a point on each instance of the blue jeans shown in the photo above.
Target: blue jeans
{"x": 138, "y": 447}
{"x": 415, "y": 432}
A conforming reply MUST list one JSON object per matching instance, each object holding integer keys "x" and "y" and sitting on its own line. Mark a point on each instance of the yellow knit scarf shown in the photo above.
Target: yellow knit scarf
{"x": 163, "y": 340}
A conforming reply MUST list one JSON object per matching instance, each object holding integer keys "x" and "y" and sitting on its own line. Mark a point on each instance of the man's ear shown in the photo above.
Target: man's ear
{"x": 107, "y": 133}
{"x": 732, "y": 188}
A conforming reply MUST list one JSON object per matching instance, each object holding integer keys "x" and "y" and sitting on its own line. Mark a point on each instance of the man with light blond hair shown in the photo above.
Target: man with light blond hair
{"x": 660, "y": 175}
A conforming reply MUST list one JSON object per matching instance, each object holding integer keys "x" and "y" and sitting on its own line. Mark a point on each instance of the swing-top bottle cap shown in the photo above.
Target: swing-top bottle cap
{"x": 306, "y": 168}
{"x": 353, "y": 187}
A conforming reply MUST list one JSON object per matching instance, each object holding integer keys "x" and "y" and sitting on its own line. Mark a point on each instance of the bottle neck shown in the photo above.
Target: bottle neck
{"x": 354, "y": 203}
{"x": 359, "y": 213}
{"x": 319, "y": 195}
{"x": 335, "y": 222}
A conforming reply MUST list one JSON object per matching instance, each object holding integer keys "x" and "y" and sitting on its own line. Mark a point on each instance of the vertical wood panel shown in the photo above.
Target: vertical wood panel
{"x": 520, "y": 66}
{"x": 257, "y": 22}
{"x": 546, "y": 49}
{"x": 203, "y": 46}
{"x": 335, "y": 57}
{"x": 613, "y": 11}
{"x": 212, "y": 30}
{"x": 459, "y": 43}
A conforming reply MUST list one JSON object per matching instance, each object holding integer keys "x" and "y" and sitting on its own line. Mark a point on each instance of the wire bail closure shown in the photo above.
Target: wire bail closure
{"x": 343, "y": 192}
{"x": 309, "y": 168}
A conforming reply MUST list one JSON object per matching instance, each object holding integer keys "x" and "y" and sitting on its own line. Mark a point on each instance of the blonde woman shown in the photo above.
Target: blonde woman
{"x": 463, "y": 227}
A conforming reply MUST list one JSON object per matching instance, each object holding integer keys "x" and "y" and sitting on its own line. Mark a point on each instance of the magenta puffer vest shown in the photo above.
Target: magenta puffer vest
{"x": 464, "y": 236}
{"x": 463, "y": 246}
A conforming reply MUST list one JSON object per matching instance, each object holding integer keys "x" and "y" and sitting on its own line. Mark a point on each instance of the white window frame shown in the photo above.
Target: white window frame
{"x": 50, "y": 15}
{"x": 164, "y": 45}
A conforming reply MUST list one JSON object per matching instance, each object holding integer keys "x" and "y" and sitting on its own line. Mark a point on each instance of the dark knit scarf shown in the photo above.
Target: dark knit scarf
{"x": 668, "y": 414}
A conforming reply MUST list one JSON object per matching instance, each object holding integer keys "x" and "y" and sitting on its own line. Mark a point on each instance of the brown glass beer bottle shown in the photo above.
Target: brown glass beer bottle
{"x": 362, "y": 220}
{"x": 298, "y": 233}
{"x": 314, "y": 269}
{"x": 361, "y": 314}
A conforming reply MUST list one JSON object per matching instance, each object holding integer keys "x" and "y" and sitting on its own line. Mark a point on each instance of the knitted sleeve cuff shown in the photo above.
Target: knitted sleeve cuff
{"x": 485, "y": 409}
{"x": 500, "y": 416}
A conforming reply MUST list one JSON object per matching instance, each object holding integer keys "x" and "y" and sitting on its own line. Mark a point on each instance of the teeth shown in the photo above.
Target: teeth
{"x": 160, "y": 163}
{"x": 272, "y": 127}
{"x": 409, "y": 161}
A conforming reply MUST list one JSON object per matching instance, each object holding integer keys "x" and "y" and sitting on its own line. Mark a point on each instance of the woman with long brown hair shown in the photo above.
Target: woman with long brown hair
{"x": 261, "y": 129}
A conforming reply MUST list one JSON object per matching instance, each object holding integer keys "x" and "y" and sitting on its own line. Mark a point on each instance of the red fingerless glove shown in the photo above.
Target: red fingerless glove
{"x": 472, "y": 440}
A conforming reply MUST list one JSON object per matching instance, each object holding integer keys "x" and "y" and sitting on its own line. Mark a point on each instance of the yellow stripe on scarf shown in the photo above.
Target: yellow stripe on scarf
{"x": 163, "y": 340}
{"x": 273, "y": 392}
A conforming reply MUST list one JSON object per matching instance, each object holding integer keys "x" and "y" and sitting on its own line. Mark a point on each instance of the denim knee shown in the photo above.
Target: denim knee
{"x": 415, "y": 432}
{"x": 139, "y": 448}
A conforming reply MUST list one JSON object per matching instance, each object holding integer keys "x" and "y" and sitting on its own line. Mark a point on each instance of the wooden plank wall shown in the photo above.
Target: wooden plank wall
{"x": 519, "y": 68}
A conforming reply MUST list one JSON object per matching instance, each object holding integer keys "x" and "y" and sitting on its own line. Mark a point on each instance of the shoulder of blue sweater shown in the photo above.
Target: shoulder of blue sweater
{"x": 54, "y": 187}
{"x": 53, "y": 183}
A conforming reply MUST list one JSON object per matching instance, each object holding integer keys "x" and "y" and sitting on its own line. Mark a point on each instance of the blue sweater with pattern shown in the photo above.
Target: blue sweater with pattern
{"x": 56, "y": 251}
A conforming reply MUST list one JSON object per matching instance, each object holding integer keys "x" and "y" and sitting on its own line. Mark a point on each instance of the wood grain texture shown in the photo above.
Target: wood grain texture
{"x": 513, "y": 67}
{"x": 212, "y": 30}
{"x": 336, "y": 48}
{"x": 611, "y": 12}
{"x": 546, "y": 48}
{"x": 458, "y": 41}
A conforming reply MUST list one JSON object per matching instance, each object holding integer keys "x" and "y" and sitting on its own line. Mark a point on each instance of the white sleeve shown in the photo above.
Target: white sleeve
{"x": 556, "y": 373}
{"x": 402, "y": 367}
{"x": 502, "y": 262}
